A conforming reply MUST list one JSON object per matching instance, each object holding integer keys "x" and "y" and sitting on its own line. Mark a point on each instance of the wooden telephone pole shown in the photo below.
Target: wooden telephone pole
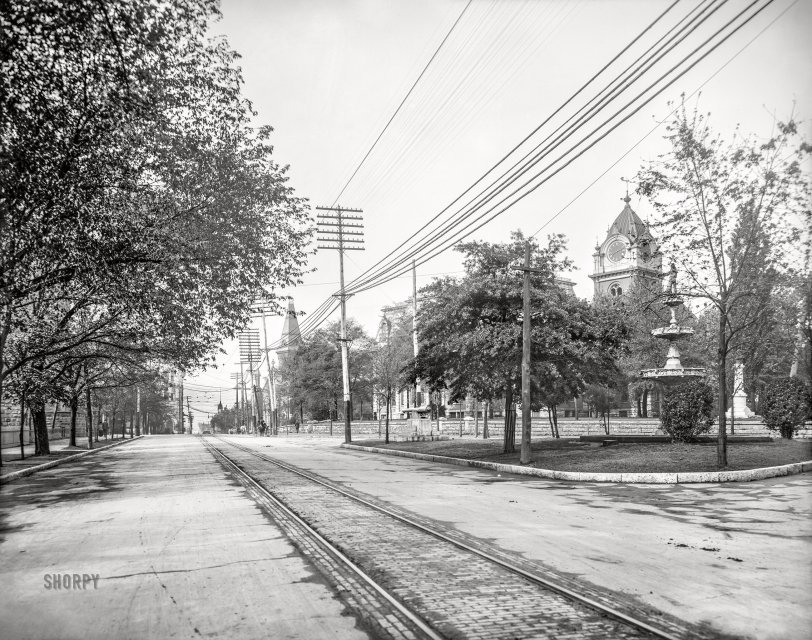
{"x": 526, "y": 456}
{"x": 332, "y": 228}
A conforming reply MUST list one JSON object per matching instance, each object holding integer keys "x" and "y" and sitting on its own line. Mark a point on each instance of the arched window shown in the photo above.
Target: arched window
{"x": 615, "y": 290}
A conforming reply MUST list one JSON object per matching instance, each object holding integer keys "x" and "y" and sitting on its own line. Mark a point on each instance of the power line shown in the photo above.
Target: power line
{"x": 402, "y": 102}
{"x": 657, "y": 126}
{"x": 400, "y": 266}
{"x": 394, "y": 267}
{"x": 390, "y": 260}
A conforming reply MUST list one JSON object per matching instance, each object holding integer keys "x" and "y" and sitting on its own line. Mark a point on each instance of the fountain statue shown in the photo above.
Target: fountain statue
{"x": 673, "y": 372}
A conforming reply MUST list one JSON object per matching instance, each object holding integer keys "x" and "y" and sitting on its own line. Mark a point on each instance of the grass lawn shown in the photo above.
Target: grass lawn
{"x": 574, "y": 455}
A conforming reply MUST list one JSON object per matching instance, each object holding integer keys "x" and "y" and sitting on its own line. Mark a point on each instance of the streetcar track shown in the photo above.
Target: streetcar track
{"x": 414, "y": 619}
{"x": 539, "y": 581}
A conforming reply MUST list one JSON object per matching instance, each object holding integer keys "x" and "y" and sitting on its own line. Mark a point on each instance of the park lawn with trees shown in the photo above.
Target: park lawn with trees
{"x": 734, "y": 215}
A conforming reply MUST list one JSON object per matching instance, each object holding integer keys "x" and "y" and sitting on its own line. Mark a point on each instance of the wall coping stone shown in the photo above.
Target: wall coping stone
{"x": 743, "y": 475}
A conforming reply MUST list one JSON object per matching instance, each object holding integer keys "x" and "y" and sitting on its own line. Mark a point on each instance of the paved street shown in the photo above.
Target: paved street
{"x": 181, "y": 550}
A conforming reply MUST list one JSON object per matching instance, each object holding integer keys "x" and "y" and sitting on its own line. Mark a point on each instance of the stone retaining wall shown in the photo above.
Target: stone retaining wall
{"x": 569, "y": 428}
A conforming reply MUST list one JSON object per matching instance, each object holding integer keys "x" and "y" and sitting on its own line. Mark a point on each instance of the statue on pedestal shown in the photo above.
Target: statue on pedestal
{"x": 739, "y": 408}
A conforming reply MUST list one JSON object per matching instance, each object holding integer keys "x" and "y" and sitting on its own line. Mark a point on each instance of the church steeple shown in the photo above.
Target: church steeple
{"x": 291, "y": 335}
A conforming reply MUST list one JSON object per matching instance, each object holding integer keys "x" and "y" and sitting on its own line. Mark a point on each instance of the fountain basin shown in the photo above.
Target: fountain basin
{"x": 672, "y": 332}
{"x": 669, "y": 376}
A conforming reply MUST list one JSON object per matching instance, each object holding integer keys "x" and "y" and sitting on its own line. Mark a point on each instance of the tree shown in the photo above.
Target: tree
{"x": 470, "y": 330}
{"x": 786, "y": 405}
{"x": 389, "y": 362}
{"x": 600, "y": 398}
{"x": 731, "y": 214}
{"x": 687, "y": 411}
{"x": 140, "y": 207}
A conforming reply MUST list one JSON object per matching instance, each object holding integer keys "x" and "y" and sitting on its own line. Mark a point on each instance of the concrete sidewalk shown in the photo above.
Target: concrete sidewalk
{"x": 175, "y": 546}
{"x": 59, "y": 449}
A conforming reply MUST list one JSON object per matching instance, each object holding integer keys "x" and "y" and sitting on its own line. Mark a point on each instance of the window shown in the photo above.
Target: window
{"x": 615, "y": 290}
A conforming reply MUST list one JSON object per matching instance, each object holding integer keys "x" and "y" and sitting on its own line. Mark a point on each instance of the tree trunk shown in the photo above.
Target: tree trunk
{"x": 510, "y": 437}
{"x": 53, "y": 418}
{"x": 485, "y": 421}
{"x": 132, "y": 425}
{"x": 388, "y": 402}
{"x": 476, "y": 420}
{"x": 550, "y": 419}
{"x": 74, "y": 409}
{"x": 437, "y": 409}
{"x": 555, "y": 420}
{"x": 98, "y": 420}
{"x": 22, "y": 430}
{"x": 721, "y": 441}
{"x": 41, "y": 430}
{"x": 645, "y": 403}
{"x": 89, "y": 418}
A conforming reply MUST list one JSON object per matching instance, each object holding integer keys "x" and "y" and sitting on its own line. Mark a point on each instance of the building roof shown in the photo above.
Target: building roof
{"x": 628, "y": 223}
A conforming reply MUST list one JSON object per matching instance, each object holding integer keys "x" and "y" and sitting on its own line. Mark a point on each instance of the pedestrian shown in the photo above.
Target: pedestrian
{"x": 262, "y": 428}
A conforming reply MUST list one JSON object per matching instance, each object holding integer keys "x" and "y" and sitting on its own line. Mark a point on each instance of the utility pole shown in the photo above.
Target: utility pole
{"x": 180, "y": 404}
{"x": 236, "y": 377}
{"x": 242, "y": 388}
{"x": 414, "y": 338}
{"x": 526, "y": 455}
{"x": 274, "y": 409}
{"x": 272, "y": 399}
{"x": 189, "y": 414}
{"x": 249, "y": 351}
{"x": 332, "y": 227}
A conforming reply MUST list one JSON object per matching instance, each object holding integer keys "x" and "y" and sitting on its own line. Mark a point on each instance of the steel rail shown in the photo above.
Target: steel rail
{"x": 412, "y": 617}
{"x": 532, "y": 577}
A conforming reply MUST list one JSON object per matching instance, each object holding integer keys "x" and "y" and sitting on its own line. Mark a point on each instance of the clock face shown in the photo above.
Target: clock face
{"x": 616, "y": 251}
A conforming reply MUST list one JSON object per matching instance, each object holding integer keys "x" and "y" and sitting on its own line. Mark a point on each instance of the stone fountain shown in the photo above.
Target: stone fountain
{"x": 673, "y": 372}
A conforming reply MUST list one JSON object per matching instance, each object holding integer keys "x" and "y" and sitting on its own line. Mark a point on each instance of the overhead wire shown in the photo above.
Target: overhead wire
{"x": 406, "y": 97}
{"x": 657, "y": 126}
{"x": 427, "y": 229}
{"x": 393, "y": 270}
{"x": 463, "y": 92}
{"x": 389, "y": 266}
{"x": 566, "y": 162}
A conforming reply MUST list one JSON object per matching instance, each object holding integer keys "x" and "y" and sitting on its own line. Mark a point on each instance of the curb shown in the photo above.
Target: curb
{"x": 16, "y": 475}
{"x": 744, "y": 475}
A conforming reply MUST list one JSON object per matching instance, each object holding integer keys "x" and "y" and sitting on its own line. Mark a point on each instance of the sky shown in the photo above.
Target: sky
{"x": 328, "y": 76}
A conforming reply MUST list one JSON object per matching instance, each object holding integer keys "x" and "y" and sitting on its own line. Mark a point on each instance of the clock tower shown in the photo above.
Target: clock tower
{"x": 628, "y": 258}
